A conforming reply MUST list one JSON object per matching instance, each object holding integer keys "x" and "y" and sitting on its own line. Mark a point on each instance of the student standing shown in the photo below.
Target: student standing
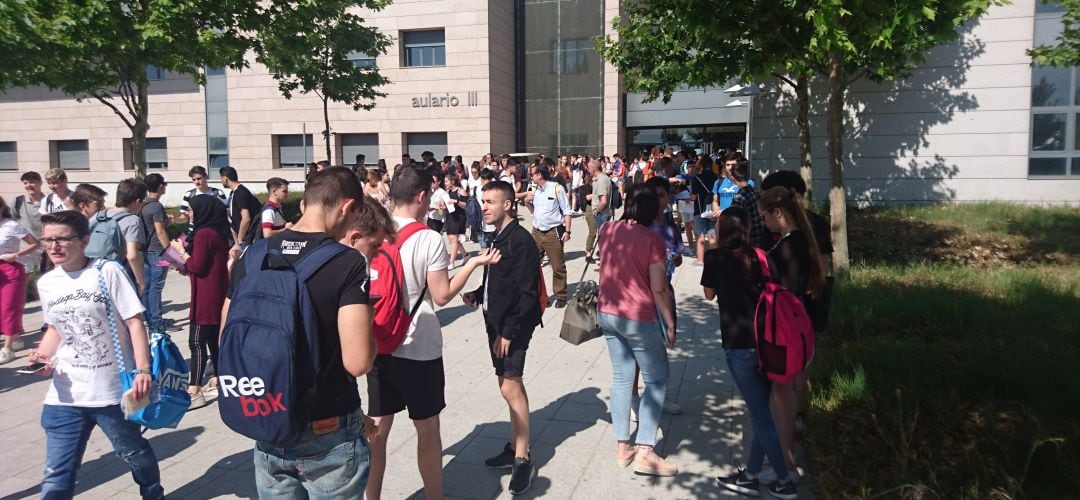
{"x": 271, "y": 218}
{"x": 154, "y": 219}
{"x": 511, "y": 307}
{"x": 201, "y": 181}
{"x": 244, "y": 211}
{"x": 130, "y": 194}
{"x": 28, "y": 206}
{"x": 551, "y": 225}
{"x": 332, "y": 462}
{"x": 13, "y": 279}
{"x": 455, "y": 219}
{"x": 77, "y": 350}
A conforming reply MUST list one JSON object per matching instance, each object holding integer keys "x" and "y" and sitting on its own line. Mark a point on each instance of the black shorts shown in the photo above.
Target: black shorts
{"x": 395, "y": 384}
{"x": 513, "y": 365}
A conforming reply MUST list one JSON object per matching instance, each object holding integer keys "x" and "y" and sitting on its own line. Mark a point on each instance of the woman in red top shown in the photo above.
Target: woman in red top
{"x": 206, "y": 257}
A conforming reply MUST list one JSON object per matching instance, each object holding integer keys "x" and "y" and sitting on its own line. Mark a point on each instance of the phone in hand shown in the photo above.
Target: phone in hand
{"x": 32, "y": 369}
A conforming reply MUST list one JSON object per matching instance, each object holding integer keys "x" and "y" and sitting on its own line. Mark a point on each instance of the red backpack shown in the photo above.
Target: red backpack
{"x": 392, "y": 312}
{"x": 785, "y": 340}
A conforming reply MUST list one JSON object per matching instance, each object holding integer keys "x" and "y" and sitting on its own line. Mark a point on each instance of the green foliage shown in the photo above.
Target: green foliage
{"x": 1066, "y": 53}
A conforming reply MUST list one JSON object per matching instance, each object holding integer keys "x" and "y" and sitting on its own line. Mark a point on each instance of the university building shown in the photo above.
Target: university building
{"x": 470, "y": 77}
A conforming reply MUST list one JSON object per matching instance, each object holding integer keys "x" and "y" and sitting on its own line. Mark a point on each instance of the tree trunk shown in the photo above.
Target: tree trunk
{"x": 138, "y": 132}
{"x": 802, "y": 93}
{"x": 837, "y": 194}
{"x": 326, "y": 128}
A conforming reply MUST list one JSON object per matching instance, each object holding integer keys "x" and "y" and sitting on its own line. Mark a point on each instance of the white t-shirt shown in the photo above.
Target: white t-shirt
{"x": 474, "y": 186}
{"x": 85, "y": 369}
{"x": 272, "y": 218}
{"x": 51, "y": 204}
{"x": 11, "y": 235}
{"x": 440, "y": 195}
{"x": 422, "y": 253}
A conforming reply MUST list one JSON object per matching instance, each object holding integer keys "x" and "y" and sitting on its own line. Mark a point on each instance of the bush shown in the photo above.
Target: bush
{"x": 290, "y": 210}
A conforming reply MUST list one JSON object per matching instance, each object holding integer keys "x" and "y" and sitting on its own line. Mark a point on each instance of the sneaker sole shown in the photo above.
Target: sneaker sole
{"x": 499, "y": 467}
{"x": 649, "y": 471}
{"x": 792, "y": 496}
{"x": 742, "y": 490}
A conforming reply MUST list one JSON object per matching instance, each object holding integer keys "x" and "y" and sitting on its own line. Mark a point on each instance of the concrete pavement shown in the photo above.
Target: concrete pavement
{"x": 568, "y": 386}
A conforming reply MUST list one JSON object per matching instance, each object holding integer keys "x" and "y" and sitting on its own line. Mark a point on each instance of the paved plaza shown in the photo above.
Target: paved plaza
{"x": 572, "y": 443}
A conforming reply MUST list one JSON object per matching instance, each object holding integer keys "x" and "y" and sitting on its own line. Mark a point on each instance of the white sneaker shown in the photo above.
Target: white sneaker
{"x": 6, "y": 355}
{"x": 672, "y": 408}
{"x": 17, "y": 345}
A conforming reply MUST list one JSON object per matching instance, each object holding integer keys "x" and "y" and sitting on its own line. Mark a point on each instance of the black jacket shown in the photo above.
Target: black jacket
{"x": 513, "y": 301}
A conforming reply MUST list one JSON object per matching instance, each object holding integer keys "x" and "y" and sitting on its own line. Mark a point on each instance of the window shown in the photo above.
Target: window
{"x": 154, "y": 72}
{"x": 361, "y": 60}
{"x": 424, "y": 48}
{"x": 1055, "y": 108}
{"x": 359, "y": 144}
{"x": 570, "y": 56}
{"x": 294, "y": 150}
{"x": 215, "y": 71}
{"x": 418, "y": 142}
{"x": 157, "y": 157}
{"x": 70, "y": 155}
{"x": 9, "y": 156}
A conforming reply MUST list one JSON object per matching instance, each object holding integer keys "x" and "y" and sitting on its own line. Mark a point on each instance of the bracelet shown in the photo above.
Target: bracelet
{"x": 140, "y": 372}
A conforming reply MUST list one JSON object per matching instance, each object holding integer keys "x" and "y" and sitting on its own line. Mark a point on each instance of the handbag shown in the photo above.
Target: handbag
{"x": 579, "y": 321}
{"x": 168, "y": 399}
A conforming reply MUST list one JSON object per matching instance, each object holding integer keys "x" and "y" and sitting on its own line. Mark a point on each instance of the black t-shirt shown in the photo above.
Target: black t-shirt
{"x": 792, "y": 257}
{"x": 583, "y": 191}
{"x": 341, "y": 282}
{"x": 737, "y": 294}
{"x": 241, "y": 199}
{"x": 701, "y": 188}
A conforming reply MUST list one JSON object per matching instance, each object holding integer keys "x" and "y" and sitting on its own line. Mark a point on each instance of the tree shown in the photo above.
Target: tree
{"x": 307, "y": 47}
{"x": 1066, "y": 53}
{"x": 101, "y": 49}
{"x": 664, "y": 44}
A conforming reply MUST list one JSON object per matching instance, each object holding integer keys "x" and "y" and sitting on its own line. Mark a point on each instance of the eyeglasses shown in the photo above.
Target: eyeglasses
{"x": 59, "y": 240}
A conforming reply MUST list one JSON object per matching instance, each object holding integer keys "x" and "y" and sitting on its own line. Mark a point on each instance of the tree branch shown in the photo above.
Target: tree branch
{"x": 784, "y": 78}
{"x": 107, "y": 100}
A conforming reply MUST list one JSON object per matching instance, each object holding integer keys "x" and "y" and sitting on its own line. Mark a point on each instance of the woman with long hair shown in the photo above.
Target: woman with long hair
{"x": 584, "y": 194}
{"x": 733, "y": 277}
{"x": 206, "y": 257}
{"x": 13, "y": 280}
{"x": 798, "y": 268}
{"x": 633, "y": 299}
{"x": 456, "y": 220}
{"x": 375, "y": 188}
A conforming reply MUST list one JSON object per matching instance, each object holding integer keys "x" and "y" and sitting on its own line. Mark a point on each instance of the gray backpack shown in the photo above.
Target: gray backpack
{"x": 106, "y": 239}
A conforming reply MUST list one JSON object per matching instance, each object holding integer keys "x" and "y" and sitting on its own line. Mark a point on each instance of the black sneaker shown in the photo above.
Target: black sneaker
{"x": 522, "y": 477}
{"x": 558, "y": 303}
{"x": 785, "y": 490}
{"x": 504, "y": 460}
{"x": 740, "y": 483}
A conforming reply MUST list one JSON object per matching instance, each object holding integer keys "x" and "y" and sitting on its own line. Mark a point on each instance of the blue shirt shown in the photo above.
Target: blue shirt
{"x": 550, "y": 205}
{"x": 725, "y": 191}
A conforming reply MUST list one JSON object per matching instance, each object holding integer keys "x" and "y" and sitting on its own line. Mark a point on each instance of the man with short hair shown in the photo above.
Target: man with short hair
{"x": 551, "y": 225}
{"x": 332, "y": 458}
{"x": 273, "y": 222}
{"x": 201, "y": 182}
{"x": 600, "y": 199}
{"x": 130, "y": 194}
{"x": 487, "y": 231}
{"x": 412, "y": 377}
{"x": 60, "y": 197}
{"x": 747, "y": 199}
{"x": 724, "y": 188}
{"x": 153, "y": 217}
{"x": 28, "y": 206}
{"x": 243, "y": 208}
{"x": 511, "y": 312}
{"x": 322, "y": 165}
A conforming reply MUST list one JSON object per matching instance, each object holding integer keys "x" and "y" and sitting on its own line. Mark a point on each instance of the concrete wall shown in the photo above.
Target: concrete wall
{"x": 687, "y": 107}
{"x": 957, "y": 130}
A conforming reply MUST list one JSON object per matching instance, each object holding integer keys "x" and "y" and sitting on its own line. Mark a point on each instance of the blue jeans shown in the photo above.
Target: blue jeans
{"x": 754, "y": 387}
{"x": 601, "y": 219}
{"x": 155, "y": 283}
{"x": 67, "y": 429}
{"x": 333, "y": 465}
{"x": 633, "y": 343}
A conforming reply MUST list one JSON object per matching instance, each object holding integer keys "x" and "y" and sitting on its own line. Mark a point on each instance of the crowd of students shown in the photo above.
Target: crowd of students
{"x": 665, "y": 196}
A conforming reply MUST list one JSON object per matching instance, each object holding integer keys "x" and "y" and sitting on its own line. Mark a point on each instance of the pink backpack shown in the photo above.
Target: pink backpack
{"x": 785, "y": 341}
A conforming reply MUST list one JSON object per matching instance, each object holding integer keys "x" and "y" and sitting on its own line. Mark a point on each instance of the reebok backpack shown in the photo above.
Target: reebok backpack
{"x": 271, "y": 370}
{"x": 393, "y": 313}
{"x": 106, "y": 240}
{"x": 785, "y": 335}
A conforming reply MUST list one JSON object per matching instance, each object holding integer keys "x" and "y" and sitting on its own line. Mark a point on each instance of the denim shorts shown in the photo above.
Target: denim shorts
{"x": 703, "y": 226}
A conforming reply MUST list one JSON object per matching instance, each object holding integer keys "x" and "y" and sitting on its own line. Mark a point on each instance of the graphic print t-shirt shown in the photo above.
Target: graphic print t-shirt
{"x": 85, "y": 372}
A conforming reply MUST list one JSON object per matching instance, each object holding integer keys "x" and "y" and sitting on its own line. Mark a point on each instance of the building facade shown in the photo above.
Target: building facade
{"x": 470, "y": 77}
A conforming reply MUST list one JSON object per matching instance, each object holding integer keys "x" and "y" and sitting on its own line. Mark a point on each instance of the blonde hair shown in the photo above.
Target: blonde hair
{"x": 55, "y": 174}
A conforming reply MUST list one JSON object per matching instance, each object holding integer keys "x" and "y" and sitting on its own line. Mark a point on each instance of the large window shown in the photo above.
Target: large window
{"x": 70, "y": 155}
{"x": 294, "y": 150}
{"x": 1055, "y": 107}
{"x": 359, "y": 144}
{"x": 157, "y": 154}
{"x": 570, "y": 56}
{"x": 217, "y": 120}
{"x": 9, "y": 159}
{"x": 418, "y": 142}
{"x": 424, "y": 48}
{"x": 154, "y": 73}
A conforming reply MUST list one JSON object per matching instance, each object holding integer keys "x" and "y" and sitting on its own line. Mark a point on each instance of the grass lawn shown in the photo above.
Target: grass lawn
{"x": 950, "y": 366}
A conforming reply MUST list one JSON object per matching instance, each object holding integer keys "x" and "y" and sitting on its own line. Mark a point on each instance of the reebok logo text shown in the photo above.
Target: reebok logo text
{"x": 254, "y": 401}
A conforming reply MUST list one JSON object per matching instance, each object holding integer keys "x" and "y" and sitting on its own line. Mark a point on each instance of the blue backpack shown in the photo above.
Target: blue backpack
{"x": 270, "y": 364}
{"x": 106, "y": 240}
{"x": 169, "y": 399}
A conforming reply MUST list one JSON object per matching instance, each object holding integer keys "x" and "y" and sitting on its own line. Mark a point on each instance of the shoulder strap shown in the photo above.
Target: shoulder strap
{"x": 49, "y": 202}
{"x": 110, "y": 316}
{"x": 309, "y": 264}
{"x": 407, "y": 232}
{"x": 763, "y": 259}
{"x": 19, "y": 201}
{"x": 254, "y": 257}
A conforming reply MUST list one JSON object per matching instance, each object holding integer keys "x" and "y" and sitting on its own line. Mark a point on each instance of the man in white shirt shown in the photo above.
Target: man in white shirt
{"x": 551, "y": 225}
{"x": 200, "y": 180}
{"x": 412, "y": 377}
